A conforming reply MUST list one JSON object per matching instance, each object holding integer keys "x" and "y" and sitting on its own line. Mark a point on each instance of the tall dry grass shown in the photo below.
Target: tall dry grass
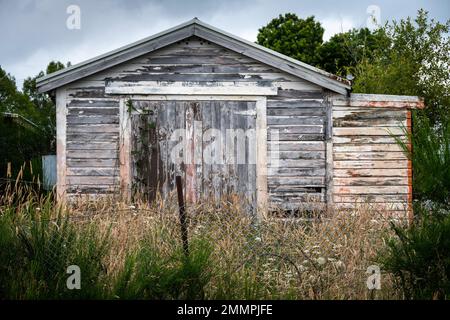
{"x": 235, "y": 256}
{"x": 323, "y": 257}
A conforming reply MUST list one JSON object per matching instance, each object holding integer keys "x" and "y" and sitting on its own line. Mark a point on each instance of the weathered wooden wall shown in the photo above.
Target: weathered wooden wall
{"x": 92, "y": 144}
{"x": 296, "y": 140}
{"x": 369, "y": 166}
{"x": 297, "y": 113}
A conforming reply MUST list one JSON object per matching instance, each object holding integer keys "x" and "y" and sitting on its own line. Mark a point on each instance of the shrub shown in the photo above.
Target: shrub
{"x": 430, "y": 156}
{"x": 419, "y": 256}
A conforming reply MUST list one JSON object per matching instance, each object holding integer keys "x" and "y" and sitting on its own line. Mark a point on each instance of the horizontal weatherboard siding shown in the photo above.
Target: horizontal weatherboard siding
{"x": 369, "y": 166}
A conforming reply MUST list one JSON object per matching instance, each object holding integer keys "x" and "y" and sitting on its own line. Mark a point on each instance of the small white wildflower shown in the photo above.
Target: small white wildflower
{"x": 258, "y": 239}
{"x": 339, "y": 264}
{"x": 321, "y": 261}
{"x": 38, "y": 209}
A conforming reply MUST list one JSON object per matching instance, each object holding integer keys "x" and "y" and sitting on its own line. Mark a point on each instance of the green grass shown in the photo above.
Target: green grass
{"x": 36, "y": 249}
{"x": 137, "y": 253}
{"x": 149, "y": 274}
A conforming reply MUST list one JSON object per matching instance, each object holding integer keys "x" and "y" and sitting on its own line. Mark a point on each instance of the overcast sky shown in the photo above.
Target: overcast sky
{"x": 34, "y": 32}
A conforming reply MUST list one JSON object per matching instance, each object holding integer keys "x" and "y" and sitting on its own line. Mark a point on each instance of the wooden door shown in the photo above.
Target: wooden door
{"x": 211, "y": 144}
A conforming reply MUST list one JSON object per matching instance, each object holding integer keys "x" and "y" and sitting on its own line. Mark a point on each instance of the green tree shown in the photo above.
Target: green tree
{"x": 342, "y": 53}
{"x": 294, "y": 37}
{"x": 32, "y": 132}
{"x": 42, "y": 102}
{"x": 12, "y": 100}
{"x": 19, "y": 139}
{"x": 417, "y": 62}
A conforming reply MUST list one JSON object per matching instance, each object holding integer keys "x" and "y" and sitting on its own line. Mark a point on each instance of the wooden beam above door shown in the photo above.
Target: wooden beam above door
{"x": 181, "y": 88}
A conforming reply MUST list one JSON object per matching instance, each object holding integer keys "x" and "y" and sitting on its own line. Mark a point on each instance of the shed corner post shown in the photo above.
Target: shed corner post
{"x": 261, "y": 158}
{"x": 329, "y": 151}
{"x": 124, "y": 149}
{"x": 61, "y": 152}
{"x": 409, "y": 129}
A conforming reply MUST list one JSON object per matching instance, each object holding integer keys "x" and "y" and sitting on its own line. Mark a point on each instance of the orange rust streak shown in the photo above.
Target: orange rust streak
{"x": 390, "y": 104}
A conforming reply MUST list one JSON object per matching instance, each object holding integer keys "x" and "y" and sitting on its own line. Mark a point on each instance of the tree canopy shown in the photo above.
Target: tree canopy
{"x": 406, "y": 57}
{"x": 417, "y": 62}
{"x": 342, "y": 53}
{"x": 293, "y": 36}
{"x": 32, "y": 132}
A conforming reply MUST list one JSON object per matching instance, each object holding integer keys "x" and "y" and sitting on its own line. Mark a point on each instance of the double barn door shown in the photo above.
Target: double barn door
{"x": 211, "y": 144}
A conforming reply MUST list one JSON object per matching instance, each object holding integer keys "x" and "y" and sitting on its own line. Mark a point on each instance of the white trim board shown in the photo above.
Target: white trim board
{"x": 218, "y": 89}
{"x": 61, "y": 153}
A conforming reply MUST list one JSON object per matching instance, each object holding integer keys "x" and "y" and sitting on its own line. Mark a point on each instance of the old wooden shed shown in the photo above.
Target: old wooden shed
{"x": 229, "y": 116}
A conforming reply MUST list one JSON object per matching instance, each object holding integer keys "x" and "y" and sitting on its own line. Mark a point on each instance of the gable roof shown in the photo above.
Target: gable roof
{"x": 193, "y": 27}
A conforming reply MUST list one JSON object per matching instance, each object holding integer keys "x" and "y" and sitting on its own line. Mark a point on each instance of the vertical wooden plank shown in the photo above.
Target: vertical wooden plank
{"x": 198, "y": 149}
{"x": 216, "y": 150}
{"x": 241, "y": 161}
{"x": 124, "y": 150}
{"x": 180, "y": 123}
{"x": 225, "y": 110}
{"x": 153, "y": 151}
{"x": 229, "y": 154}
{"x": 61, "y": 113}
{"x": 190, "y": 181}
{"x": 161, "y": 115}
{"x": 135, "y": 168}
{"x": 329, "y": 151}
{"x": 171, "y": 125}
{"x": 261, "y": 157}
{"x": 207, "y": 113}
{"x": 251, "y": 151}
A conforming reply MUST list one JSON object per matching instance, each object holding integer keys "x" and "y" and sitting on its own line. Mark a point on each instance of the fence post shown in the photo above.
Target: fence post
{"x": 183, "y": 226}
{"x": 8, "y": 170}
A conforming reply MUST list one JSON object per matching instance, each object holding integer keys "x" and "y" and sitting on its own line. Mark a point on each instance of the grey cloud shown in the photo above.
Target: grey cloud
{"x": 32, "y": 32}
